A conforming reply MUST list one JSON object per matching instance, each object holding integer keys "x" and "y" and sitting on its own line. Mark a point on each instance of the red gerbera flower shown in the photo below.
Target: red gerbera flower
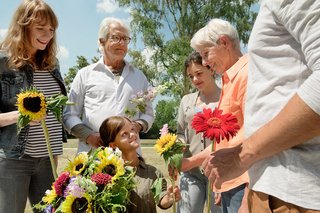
{"x": 61, "y": 183}
{"x": 215, "y": 125}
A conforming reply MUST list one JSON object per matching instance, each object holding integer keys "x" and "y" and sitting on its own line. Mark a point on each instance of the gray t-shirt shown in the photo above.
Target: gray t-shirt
{"x": 284, "y": 59}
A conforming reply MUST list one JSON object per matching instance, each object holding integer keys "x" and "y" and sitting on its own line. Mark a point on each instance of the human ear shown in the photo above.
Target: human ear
{"x": 224, "y": 40}
{"x": 102, "y": 40}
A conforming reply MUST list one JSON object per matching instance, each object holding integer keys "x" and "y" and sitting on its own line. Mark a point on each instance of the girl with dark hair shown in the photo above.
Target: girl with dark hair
{"x": 118, "y": 131}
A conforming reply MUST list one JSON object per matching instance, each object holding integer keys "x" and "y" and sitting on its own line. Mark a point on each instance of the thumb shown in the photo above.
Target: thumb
{"x": 218, "y": 183}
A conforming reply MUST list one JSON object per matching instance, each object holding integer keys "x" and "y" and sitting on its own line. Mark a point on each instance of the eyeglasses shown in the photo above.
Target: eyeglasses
{"x": 117, "y": 39}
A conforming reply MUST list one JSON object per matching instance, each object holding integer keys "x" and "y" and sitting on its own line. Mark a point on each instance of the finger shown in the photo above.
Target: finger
{"x": 218, "y": 183}
{"x": 211, "y": 176}
{"x": 205, "y": 163}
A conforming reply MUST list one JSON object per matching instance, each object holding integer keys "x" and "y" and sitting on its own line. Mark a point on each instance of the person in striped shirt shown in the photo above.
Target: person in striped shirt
{"x": 28, "y": 58}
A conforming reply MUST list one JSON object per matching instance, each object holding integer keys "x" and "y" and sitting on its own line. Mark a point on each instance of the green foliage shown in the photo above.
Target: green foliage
{"x": 165, "y": 112}
{"x": 55, "y": 103}
{"x": 81, "y": 62}
{"x": 166, "y": 28}
{"x": 156, "y": 188}
{"x": 173, "y": 156}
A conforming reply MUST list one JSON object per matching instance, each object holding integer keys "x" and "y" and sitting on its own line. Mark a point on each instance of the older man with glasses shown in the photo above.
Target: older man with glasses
{"x": 103, "y": 89}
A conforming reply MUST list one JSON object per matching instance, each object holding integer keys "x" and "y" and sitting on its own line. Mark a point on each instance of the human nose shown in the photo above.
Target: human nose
{"x": 133, "y": 135}
{"x": 205, "y": 62}
{"x": 48, "y": 33}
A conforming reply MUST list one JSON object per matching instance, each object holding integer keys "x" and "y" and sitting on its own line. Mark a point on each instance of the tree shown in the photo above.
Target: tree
{"x": 167, "y": 26}
{"x": 166, "y": 111}
{"x": 81, "y": 62}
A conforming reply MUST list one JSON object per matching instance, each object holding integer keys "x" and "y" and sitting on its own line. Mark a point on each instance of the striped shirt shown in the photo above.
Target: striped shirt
{"x": 36, "y": 145}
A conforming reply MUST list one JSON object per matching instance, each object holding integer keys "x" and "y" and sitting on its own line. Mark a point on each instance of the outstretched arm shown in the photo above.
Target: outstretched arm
{"x": 295, "y": 124}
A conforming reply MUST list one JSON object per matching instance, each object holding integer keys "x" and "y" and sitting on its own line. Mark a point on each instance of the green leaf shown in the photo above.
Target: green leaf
{"x": 55, "y": 103}
{"x": 22, "y": 122}
{"x": 176, "y": 161}
{"x": 156, "y": 189}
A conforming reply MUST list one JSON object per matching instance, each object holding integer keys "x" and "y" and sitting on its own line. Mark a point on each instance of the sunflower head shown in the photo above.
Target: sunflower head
{"x": 165, "y": 142}
{"x": 112, "y": 166}
{"x": 32, "y": 103}
{"x": 78, "y": 165}
{"x": 31, "y": 106}
{"x": 50, "y": 196}
{"x": 77, "y": 204}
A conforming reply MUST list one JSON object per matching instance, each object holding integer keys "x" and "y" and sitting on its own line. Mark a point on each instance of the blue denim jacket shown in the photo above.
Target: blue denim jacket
{"x": 11, "y": 83}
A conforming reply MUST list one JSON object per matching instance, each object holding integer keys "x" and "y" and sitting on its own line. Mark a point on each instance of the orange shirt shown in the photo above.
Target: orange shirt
{"x": 232, "y": 100}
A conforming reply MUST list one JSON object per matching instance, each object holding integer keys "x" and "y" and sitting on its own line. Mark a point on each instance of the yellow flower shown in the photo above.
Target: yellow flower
{"x": 50, "y": 196}
{"x": 32, "y": 104}
{"x": 78, "y": 165}
{"x": 77, "y": 204}
{"x": 165, "y": 142}
{"x": 111, "y": 165}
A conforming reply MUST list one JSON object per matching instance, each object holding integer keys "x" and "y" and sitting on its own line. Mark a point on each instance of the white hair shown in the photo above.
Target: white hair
{"x": 209, "y": 35}
{"x": 105, "y": 29}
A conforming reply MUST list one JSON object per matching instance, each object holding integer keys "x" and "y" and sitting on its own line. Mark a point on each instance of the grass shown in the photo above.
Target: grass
{"x": 148, "y": 151}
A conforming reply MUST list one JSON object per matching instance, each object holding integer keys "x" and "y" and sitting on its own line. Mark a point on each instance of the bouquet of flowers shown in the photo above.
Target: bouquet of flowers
{"x": 140, "y": 100}
{"x": 33, "y": 105}
{"x": 171, "y": 149}
{"x": 98, "y": 181}
{"x": 215, "y": 126}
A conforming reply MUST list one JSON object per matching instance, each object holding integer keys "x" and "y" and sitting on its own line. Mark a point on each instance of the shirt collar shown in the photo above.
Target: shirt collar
{"x": 142, "y": 164}
{"x": 100, "y": 66}
{"x": 234, "y": 69}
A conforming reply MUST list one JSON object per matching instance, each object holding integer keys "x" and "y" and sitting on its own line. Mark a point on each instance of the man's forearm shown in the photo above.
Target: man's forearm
{"x": 81, "y": 131}
{"x": 295, "y": 124}
{"x": 195, "y": 160}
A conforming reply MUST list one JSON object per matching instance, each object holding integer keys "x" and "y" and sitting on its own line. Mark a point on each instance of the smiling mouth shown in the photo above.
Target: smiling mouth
{"x": 42, "y": 42}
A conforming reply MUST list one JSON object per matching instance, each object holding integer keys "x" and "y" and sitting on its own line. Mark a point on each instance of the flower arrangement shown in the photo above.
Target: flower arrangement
{"x": 33, "y": 106}
{"x": 215, "y": 126}
{"x": 141, "y": 99}
{"x": 98, "y": 181}
{"x": 171, "y": 149}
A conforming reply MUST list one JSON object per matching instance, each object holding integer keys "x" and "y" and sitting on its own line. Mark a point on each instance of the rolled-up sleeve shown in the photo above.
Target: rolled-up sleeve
{"x": 302, "y": 20}
{"x": 72, "y": 113}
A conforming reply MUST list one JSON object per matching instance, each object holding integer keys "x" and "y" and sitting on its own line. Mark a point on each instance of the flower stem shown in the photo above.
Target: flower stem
{"x": 213, "y": 148}
{"x": 173, "y": 195}
{"x": 46, "y": 135}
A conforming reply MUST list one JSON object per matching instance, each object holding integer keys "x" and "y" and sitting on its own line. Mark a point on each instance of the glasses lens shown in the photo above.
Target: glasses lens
{"x": 127, "y": 40}
{"x": 117, "y": 39}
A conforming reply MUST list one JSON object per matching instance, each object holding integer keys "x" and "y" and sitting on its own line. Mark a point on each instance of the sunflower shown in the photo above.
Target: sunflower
{"x": 215, "y": 125}
{"x": 165, "y": 142}
{"x": 50, "y": 196}
{"x": 78, "y": 165}
{"x": 74, "y": 204}
{"x": 111, "y": 165}
{"x": 32, "y": 104}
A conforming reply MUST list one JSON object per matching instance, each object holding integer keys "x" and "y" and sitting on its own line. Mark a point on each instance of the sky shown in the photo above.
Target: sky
{"x": 79, "y": 22}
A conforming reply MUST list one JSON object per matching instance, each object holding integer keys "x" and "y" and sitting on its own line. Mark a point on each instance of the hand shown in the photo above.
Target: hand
{"x": 174, "y": 192}
{"x": 94, "y": 140}
{"x": 223, "y": 165}
{"x": 37, "y": 122}
{"x": 137, "y": 126}
{"x": 217, "y": 198}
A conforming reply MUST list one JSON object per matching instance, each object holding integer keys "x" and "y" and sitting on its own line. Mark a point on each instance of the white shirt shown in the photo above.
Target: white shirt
{"x": 284, "y": 59}
{"x": 98, "y": 95}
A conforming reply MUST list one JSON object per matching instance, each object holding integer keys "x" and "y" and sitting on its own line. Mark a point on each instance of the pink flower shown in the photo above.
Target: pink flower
{"x": 101, "y": 179}
{"x": 164, "y": 130}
